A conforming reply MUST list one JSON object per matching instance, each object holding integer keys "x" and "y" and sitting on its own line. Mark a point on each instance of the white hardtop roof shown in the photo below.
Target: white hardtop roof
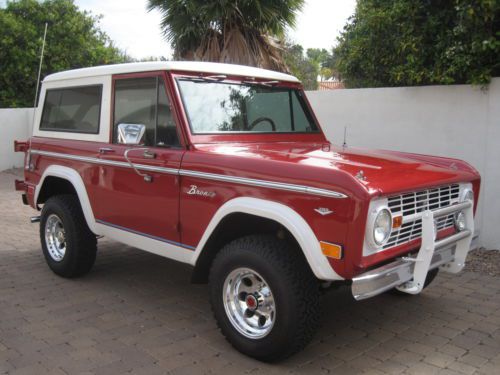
{"x": 190, "y": 66}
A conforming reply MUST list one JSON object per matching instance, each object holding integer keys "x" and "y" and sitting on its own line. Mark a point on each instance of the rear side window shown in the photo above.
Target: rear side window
{"x": 73, "y": 109}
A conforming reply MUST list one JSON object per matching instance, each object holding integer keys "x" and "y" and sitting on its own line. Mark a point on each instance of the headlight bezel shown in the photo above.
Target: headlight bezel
{"x": 387, "y": 233}
{"x": 460, "y": 221}
{"x": 376, "y": 207}
{"x": 467, "y": 195}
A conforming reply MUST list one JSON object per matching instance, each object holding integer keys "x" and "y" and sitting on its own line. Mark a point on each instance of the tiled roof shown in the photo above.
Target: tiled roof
{"x": 330, "y": 85}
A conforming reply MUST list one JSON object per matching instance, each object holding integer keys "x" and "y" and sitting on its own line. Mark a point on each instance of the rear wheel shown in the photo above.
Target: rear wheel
{"x": 264, "y": 297}
{"x": 68, "y": 244}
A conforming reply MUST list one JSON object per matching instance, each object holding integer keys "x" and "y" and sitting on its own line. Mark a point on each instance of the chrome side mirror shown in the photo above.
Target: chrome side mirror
{"x": 131, "y": 134}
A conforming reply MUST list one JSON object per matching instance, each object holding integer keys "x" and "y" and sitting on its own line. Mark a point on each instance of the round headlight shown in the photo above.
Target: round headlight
{"x": 382, "y": 226}
{"x": 468, "y": 195}
{"x": 460, "y": 221}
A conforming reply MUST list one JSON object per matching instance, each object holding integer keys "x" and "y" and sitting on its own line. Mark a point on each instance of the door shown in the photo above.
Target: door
{"x": 139, "y": 184}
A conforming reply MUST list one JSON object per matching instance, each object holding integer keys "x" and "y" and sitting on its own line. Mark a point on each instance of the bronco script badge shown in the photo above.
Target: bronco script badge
{"x": 193, "y": 190}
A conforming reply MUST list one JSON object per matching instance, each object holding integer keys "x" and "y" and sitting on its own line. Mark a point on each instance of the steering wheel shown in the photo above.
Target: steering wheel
{"x": 261, "y": 119}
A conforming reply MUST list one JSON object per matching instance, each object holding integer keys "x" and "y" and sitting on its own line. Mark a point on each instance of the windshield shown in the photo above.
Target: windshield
{"x": 219, "y": 107}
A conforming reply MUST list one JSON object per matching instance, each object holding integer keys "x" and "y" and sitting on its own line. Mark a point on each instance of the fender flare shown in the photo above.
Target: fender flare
{"x": 73, "y": 177}
{"x": 282, "y": 214}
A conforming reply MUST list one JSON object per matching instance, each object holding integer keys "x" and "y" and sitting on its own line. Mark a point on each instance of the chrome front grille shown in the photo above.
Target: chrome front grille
{"x": 410, "y": 205}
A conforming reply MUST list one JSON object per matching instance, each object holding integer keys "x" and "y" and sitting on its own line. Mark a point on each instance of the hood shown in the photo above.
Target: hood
{"x": 378, "y": 171}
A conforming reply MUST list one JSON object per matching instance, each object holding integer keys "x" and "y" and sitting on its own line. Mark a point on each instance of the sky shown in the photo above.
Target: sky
{"x": 137, "y": 31}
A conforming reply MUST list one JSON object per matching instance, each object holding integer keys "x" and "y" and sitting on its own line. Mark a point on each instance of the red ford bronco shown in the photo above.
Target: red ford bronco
{"x": 226, "y": 168}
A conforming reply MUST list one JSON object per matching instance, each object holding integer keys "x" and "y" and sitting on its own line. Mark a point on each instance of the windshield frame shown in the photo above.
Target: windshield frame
{"x": 248, "y": 136}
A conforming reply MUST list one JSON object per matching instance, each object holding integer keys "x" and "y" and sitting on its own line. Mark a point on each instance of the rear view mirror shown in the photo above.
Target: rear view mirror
{"x": 131, "y": 134}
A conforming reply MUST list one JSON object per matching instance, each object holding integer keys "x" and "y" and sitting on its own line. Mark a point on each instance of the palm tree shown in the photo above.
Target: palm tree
{"x": 235, "y": 31}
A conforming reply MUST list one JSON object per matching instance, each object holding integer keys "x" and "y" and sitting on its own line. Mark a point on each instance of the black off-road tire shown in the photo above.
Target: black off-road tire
{"x": 81, "y": 243}
{"x": 294, "y": 288}
{"x": 431, "y": 275}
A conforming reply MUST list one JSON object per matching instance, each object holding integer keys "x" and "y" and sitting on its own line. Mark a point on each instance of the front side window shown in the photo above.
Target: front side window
{"x": 72, "y": 109}
{"x": 219, "y": 107}
{"x": 145, "y": 101}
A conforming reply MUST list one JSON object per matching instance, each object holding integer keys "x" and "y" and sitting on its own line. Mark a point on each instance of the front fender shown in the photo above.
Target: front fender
{"x": 282, "y": 214}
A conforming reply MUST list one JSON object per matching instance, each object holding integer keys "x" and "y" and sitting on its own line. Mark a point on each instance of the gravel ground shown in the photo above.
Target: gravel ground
{"x": 484, "y": 261}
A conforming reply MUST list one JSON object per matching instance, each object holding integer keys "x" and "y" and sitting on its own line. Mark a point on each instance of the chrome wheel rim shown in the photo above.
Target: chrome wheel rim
{"x": 55, "y": 237}
{"x": 249, "y": 303}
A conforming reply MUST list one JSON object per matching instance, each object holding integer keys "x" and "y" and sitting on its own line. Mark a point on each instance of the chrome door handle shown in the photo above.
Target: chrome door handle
{"x": 148, "y": 154}
{"x": 147, "y": 177}
{"x": 106, "y": 150}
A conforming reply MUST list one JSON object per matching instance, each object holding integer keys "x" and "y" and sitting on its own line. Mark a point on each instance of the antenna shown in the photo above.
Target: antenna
{"x": 28, "y": 160}
{"x": 40, "y": 65}
{"x": 345, "y": 137}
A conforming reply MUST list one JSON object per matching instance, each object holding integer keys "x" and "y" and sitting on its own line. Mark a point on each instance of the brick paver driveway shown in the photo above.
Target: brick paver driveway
{"x": 137, "y": 312}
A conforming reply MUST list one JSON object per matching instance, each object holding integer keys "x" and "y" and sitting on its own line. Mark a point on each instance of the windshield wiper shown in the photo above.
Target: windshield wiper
{"x": 222, "y": 77}
{"x": 219, "y": 77}
{"x": 262, "y": 83}
{"x": 214, "y": 78}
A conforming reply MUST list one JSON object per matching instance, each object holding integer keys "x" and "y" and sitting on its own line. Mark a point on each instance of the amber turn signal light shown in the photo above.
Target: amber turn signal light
{"x": 397, "y": 221}
{"x": 331, "y": 250}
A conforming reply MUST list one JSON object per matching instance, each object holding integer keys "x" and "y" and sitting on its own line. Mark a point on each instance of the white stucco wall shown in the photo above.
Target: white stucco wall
{"x": 458, "y": 121}
{"x": 15, "y": 124}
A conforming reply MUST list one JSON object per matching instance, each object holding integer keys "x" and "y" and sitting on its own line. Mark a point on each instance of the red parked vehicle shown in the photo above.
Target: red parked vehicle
{"x": 226, "y": 168}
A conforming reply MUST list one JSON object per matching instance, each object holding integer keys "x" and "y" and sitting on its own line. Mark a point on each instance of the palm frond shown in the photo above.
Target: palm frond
{"x": 234, "y": 31}
{"x": 209, "y": 49}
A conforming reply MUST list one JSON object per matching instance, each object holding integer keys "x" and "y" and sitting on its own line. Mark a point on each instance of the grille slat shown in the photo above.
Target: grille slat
{"x": 416, "y": 202}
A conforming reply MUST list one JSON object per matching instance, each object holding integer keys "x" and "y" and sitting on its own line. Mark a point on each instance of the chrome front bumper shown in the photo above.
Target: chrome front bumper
{"x": 408, "y": 274}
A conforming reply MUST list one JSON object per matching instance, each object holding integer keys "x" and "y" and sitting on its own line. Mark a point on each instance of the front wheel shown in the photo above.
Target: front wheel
{"x": 264, "y": 297}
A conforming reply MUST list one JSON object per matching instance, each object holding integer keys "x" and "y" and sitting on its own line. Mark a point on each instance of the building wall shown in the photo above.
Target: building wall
{"x": 15, "y": 124}
{"x": 458, "y": 121}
